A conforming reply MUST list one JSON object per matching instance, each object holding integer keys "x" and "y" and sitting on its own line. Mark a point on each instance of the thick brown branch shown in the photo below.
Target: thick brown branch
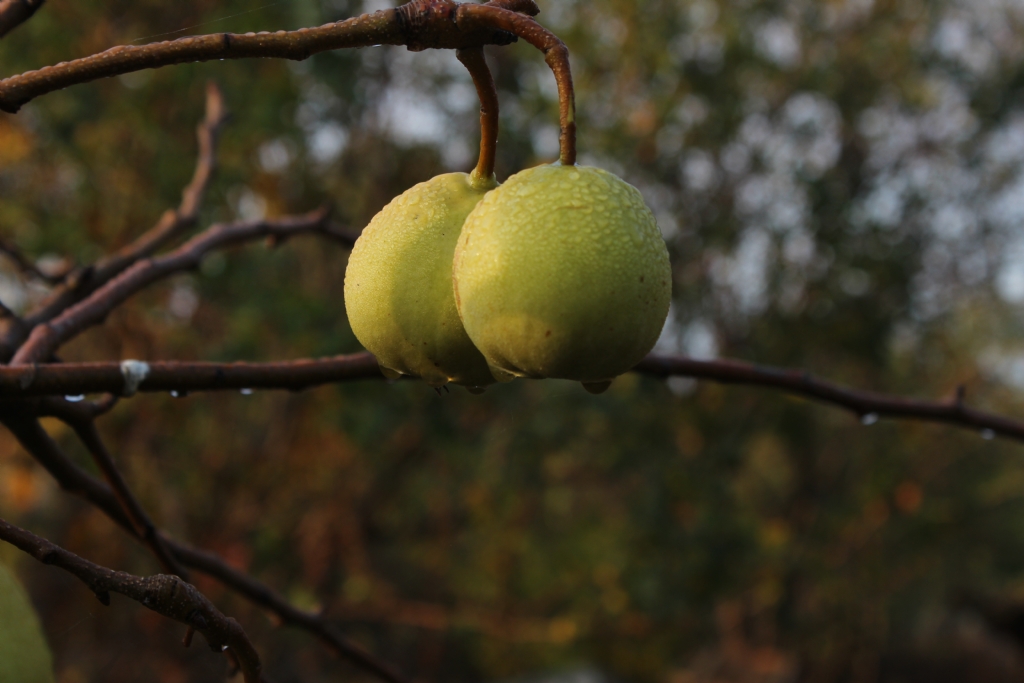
{"x": 166, "y": 595}
{"x": 79, "y": 284}
{"x": 73, "y": 379}
{"x": 473, "y": 59}
{"x": 14, "y": 13}
{"x": 33, "y": 438}
{"x": 371, "y": 29}
{"x": 84, "y": 378}
{"x": 46, "y": 338}
{"x": 556, "y": 54}
{"x": 421, "y": 24}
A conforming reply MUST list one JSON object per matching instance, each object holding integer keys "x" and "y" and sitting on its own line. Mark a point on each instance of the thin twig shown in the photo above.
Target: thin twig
{"x": 164, "y": 594}
{"x": 473, "y": 59}
{"x": 23, "y": 424}
{"x": 260, "y": 594}
{"x": 26, "y": 266}
{"x": 172, "y": 223}
{"x": 14, "y": 13}
{"x": 86, "y": 430}
{"x": 867, "y": 405}
{"x": 46, "y": 338}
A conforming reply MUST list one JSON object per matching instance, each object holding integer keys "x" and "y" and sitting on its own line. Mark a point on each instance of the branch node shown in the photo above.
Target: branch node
{"x": 432, "y": 24}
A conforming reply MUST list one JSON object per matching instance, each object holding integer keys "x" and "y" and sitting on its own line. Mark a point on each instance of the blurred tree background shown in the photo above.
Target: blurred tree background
{"x": 841, "y": 184}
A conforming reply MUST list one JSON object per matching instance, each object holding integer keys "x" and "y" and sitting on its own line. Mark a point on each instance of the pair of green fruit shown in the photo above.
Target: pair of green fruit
{"x": 561, "y": 272}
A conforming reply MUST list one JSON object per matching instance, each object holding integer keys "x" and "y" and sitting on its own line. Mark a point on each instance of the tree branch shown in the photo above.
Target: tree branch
{"x": 86, "y": 378}
{"x": 424, "y": 25}
{"x": 166, "y": 595}
{"x": 82, "y": 422}
{"x": 25, "y": 265}
{"x": 73, "y": 379}
{"x": 13, "y": 13}
{"x": 46, "y": 338}
{"x": 173, "y": 223}
{"x": 23, "y": 423}
{"x": 869, "y": 406}
{"x": 260, "y": 594}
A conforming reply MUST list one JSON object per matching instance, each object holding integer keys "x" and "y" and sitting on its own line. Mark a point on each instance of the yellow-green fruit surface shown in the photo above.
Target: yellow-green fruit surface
{"x": 24, "y": 654}
{"x": 562, "y": 272}
{"x": 398, "y": 285}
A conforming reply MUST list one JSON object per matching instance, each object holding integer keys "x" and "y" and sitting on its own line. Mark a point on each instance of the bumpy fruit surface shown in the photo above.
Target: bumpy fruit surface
{"x": 24, "y": 655}
{"x": 398, "y": 285}
{"x": 562, "y": 272}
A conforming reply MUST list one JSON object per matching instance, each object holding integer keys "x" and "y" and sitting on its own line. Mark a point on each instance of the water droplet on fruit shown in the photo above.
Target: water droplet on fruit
{"x": 596, "y": 387}
{"x": 389, "y": 373}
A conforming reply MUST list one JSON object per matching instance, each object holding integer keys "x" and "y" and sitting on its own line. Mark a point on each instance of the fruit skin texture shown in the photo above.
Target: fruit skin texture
{"x": 398, "y": 285}
{"x": 24, "y": 654}
{"x": 562, "y": 272}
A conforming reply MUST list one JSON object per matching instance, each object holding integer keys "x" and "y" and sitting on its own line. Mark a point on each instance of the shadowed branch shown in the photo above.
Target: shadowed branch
{"x": 166, "y": 595}
{"x": 23, "y": 424}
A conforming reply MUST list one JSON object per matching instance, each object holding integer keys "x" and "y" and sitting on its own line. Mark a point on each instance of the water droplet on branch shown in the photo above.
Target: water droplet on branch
{"x": 988, "y": 434}
{"x": 75, "y": 399}
{"x": 869, "y": 419}
{"x": 246, "y": 392}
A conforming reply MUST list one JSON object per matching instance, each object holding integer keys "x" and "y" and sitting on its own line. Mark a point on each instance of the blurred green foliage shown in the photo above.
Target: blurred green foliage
{"x": 838, "y": 183}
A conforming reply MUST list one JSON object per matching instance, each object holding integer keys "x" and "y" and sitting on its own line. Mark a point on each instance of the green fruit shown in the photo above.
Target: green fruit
{"x": 562, "y": 272}
{"x": 24, "y": 654}
{"x": 398, "y": 285}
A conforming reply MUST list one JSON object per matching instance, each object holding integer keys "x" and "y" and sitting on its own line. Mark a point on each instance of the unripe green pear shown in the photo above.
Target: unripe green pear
{"x": 24, "y": 654}
{"x": 398, "y": 285}
{"x": 562, "y": 272}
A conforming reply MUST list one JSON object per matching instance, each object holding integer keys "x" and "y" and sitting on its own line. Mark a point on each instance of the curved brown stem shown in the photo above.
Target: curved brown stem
{"x": 556, "y": 54}
{"x": 473, "y": 59}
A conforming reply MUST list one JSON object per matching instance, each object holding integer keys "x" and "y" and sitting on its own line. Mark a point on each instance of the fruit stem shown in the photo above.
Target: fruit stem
{"x": 556, "y": 54}
{"x": 473, "y": 59}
